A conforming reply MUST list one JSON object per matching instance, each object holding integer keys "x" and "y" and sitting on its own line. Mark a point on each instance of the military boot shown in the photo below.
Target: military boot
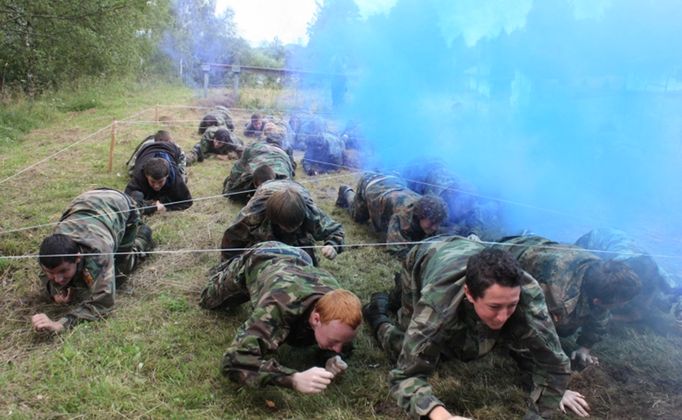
{"x": 198, "y": 152}
{"x": 342, "y": 199}
{"x": 376, "y": 311}
{"x": 395, "y": 295}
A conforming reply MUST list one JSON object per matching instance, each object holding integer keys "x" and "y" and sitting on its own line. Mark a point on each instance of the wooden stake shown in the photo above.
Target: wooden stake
{"x": 111, "y": 145}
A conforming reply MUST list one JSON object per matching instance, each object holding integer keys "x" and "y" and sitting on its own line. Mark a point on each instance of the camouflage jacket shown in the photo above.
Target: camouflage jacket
{"x": 222, "y": 115}
{"x": 560, "y": 270}
{"x": 251, "y": 131}
{"x": 439, "y": 322}
{"x": 258, "y": 154}
{"x": 252, "y": 226}
{"x": 323, "y": 153}
{"x": 283, "y": 286}
{"x": 467, "y": 214}
{"x": 206, "y": 142}
{"x": 101, "y": 222}
{"x": 389, "y": 204}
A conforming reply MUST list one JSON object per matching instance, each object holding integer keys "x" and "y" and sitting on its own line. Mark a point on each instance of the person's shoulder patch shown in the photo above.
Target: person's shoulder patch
{"x": 87, "y": 277}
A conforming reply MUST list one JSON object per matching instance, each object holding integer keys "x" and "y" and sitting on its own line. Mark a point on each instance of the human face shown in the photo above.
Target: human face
{"x": 156, "y": 184}
{"x": 496, "y": 305}
{"x": 428, "y": 227}
{"x": 331, "y": 335}
{"x": 63, "y": 273}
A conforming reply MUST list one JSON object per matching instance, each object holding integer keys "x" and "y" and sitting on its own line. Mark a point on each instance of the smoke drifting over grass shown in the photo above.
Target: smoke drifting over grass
{"x": 568, "y": 106}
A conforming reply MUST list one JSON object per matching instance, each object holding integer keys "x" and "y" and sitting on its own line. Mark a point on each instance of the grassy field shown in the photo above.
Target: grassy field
{"x": 158, "y": 355}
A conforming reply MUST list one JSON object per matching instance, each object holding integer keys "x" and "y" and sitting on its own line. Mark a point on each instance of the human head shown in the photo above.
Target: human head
{"x": 207, "y": 121}
{"x": 156, "y": 172}
{"x": 59, "y": 258}
{"x": 162, "y": 136}
{"x": 286, "y": 209}
{"x": 493, "y": 286}
{"x": 221, "y": 136}
{"x": 262, "y": 174}
{"x": 257, "y": 121}
{"x": 335, "y": 319}
{"x": 610, "y": 283}
{"x": 274, "y": 133}
{"x": 430, "y": 211}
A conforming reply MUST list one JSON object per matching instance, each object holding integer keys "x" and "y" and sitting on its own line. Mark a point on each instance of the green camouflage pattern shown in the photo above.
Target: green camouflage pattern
{"x": 207, "y": 148}
{"x": 386, "y": 201}
{"x": 282, "y": 285}
{"x": 252, "y": 226}
{"x": 323, "y": 153}
{"x": 467, "y": 212}
{"x": 222, "y": 115}
{"x": 560, "y": 269}
{"x": 254, "y": 156}
{"x": 657, "y": 285}
{"x": 103, "y": 222}
{"x": 436, "y": 321}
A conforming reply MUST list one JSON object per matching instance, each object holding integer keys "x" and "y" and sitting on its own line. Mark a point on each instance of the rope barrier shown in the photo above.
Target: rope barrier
{"x": 354, "y": 245}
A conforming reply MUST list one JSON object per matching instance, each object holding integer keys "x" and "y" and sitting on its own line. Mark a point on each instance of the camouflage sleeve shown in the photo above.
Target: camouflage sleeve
{"x": 549, "y": 365}
{"x": 395, "y": 237}
{"x": 594, "y": 329}
{"x": 418, "y": 359}
{"x": 101, "y": 282}
{"x": 246, "y": 362}
{"x": 326, "y": 229}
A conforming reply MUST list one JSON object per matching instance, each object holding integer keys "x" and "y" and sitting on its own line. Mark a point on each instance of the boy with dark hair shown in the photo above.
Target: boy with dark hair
{"x": 255, "y": 126}
{"x": 156, "y": 184}
{"x": 218, "y": 141}
{"x": 293, "y": 302}
{"x": 161, "y": 136}
{"x": 394, "y": 210}
{"x": 103, "y": 223}
{"x": 283, "y": 210}
{"x": 580, "y": 288}
{"x": 458, "y": 300}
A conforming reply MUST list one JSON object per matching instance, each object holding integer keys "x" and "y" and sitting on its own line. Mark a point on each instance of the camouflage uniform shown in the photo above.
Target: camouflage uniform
{"x": 436, "y": 320}
{"x": 560, "y": 269}
{"x": 104, "y": 222}
{"x": 222, "y": 117}
{"x": 657, "y": 286}
{"x": 252, "y": 131}
{"x": 252, "y": 226}
{"x": 254, "y": 156}
{"x": 466, "y": 213}
{"x": 323, "y": 153}
{"x": 389, "y": 204}
{"x": 281, "y": 136}
{"x": 283, "y": 287}
{"x": 305, "y": 126}
{"x": 205, "y": 145}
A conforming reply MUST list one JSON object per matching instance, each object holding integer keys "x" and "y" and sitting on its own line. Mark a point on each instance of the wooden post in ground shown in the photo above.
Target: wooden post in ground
{"x": 111, "y": 145}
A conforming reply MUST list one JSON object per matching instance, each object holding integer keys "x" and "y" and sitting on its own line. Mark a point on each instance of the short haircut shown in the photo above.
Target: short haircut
{"x": 256, "y": 116}
{"x": 340, "y": 305}
{"x": 430, "y": 207}
{"x": 222, "y": 135}
{"x": 162, "y": 136}
{"x": 274, "y": 133}
{"x": 262, "y": 174}
{"x": 492, "y": 266}
{"x": 157, "y": 168}
{"x": 611, "y": 282}
{"x": 207, "y": 121}
{"x": 286, "y": 208}
{"x": 57, "y": 244}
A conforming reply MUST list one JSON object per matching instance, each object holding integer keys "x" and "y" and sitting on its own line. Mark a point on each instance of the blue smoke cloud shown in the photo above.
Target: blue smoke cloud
{"x": 566, "y": 110}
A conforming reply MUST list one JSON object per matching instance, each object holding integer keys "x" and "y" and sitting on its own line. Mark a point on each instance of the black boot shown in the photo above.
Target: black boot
{"x": 395, "y": 296}
{"x": 342, "y": 199}
{"x": 376, "y": 311}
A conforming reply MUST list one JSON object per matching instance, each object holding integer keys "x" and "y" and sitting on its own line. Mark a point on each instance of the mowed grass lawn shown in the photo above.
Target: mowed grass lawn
{"x": 158, "y": 355}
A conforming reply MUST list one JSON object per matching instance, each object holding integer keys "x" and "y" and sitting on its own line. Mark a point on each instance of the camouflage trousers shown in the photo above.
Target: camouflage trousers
{"x": 223, "y": 291}
{"x": 136, "y": 242}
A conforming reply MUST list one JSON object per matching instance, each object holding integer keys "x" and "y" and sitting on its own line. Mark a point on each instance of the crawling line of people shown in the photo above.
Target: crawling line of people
{"x": 456, "y": 296}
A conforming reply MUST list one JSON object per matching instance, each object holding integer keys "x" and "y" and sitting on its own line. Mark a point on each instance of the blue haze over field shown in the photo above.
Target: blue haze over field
{"x": 568, "y": 107}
